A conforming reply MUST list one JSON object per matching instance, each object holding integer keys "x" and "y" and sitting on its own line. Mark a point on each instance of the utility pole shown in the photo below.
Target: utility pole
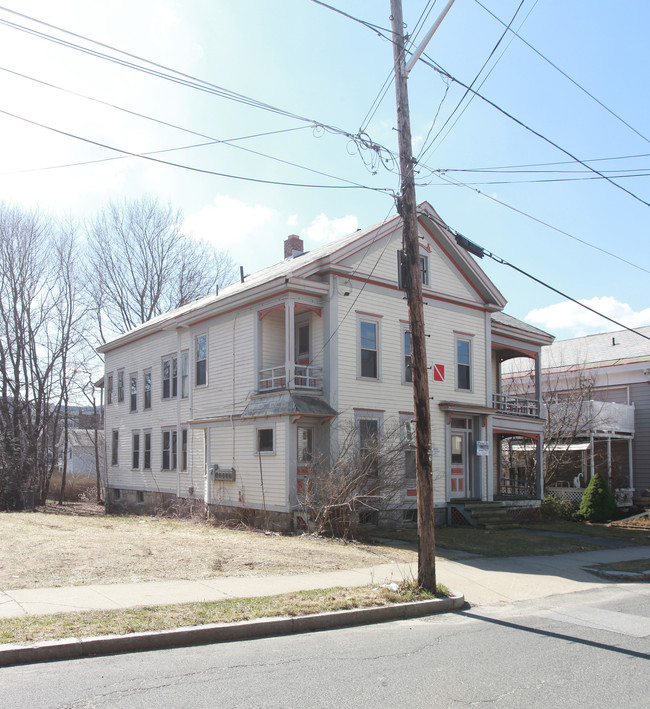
{"x": 407, "y": 207}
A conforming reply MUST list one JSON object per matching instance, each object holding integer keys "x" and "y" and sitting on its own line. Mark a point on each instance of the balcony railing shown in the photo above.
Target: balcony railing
{"x": 517, "y": 405}
{"x": 301, "y": 376}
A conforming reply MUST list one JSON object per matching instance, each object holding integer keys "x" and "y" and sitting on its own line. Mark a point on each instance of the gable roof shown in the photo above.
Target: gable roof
{"x": 301, "y": 269}
{"x": 602, "y": 348}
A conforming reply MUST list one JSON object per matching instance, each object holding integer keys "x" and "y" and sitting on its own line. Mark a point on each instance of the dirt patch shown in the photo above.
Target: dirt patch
{"x": 65, "y": 548}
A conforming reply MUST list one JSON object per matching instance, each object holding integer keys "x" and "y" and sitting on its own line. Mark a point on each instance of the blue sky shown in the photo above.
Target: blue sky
{"x": 311, "y": 62}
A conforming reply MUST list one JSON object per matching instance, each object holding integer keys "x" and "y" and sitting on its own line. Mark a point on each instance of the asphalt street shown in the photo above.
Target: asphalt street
{"x": 582, "y": 649}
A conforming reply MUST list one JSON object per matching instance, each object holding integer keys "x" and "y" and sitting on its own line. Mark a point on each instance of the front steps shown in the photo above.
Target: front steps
{"x": 500, "y": 514}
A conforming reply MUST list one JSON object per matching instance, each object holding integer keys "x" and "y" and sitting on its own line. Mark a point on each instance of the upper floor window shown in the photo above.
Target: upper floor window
{"x": 120, "y": 387}
{"x": 463, "y": 363}
{"x": 169, "y": 377}
{"x": 369, "y": 349}
{"x": 401, "y": 269}
{"x": 147, "y": 389}
{"x": 201, "y": 360}
{"x": 109, "y": 389}
{"x": 133, "y": 392}
{"x": 185, "y": 374}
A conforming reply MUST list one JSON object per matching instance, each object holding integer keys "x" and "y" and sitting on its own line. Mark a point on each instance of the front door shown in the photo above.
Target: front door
{"x": 460, "y": 447}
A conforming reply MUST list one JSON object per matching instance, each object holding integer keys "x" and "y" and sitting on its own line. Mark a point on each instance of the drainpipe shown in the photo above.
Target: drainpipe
{"x": 592, "y": 464}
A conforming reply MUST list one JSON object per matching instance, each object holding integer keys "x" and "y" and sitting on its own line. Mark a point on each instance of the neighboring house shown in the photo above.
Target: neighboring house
{"x": 597, "y": 390}
{"x": 81, "y": 451}
{"x": 227, "y": 399}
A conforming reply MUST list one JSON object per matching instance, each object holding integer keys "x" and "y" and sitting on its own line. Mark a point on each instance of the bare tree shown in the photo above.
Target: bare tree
{"x": 38, "y": 316}
{"x": 142, "y": 264}
{"x": 364, "y": 478}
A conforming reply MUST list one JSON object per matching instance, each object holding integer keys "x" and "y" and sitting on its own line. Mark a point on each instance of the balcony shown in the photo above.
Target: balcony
{"x": 517, "y": 405}
{"x": 597, "y": 417}
{"x": 300, "y": 376}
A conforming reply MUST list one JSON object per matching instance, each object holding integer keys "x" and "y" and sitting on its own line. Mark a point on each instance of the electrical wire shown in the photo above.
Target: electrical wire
{"x": 480, "y": 251}
{"x": 566, "y": 76}
{"x": 188, "y": 167}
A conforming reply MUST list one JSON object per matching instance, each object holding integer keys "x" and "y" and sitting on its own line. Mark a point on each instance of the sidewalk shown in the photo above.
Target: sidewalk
{"x": 482, "y": 581}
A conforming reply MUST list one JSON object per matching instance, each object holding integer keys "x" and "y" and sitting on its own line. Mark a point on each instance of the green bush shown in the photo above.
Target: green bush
{"x": 559, "y": 508}
{"x": 598, "y": 503}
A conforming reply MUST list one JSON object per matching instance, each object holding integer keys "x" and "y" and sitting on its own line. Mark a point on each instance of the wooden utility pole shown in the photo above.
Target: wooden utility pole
{"x": 407, "y": 208}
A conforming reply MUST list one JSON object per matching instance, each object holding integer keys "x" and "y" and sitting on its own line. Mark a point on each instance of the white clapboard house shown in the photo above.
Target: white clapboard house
{"x": 224, "y": 399}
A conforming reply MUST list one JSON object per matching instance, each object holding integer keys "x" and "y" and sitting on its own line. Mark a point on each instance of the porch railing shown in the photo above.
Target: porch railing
{"x": 517, "y": 486}
{"x": 518, "y": 405}
{"x": 301, "y": 376}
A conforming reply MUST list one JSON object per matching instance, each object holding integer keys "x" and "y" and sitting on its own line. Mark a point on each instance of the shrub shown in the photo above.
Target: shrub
{"x": 559, "y": 508}
{"x": 598, "y": 502}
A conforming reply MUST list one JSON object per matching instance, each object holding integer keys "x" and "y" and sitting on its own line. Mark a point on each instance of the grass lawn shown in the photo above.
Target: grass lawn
{"x": 636, "y": 566}
{"x": 30, "y": 629}
{"x": 511, "y": 542}
{"x": 41, "y": 549}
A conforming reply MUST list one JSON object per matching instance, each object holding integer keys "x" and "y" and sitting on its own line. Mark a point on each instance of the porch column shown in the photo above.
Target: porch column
{"x": 592, "y": 463}
{"x": 540, "y": 466}
{"x": 290, "y": 350}
{"x": 538, "y": 384}
{"x": 609, "y": 462}
{"x": 630, "y": 466}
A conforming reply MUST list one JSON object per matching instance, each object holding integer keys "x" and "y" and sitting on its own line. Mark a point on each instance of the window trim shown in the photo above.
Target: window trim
{"x": 197, "y": 360}
{"x": 401, "y": 269}
{"x": 109, "y": 388}
{"x": 172, "y": 381}
{"x": 169, "y": 435}
{"x": 120, "y": 386}
{"x": 146, "y": 376}
{"x": 185, "y": 374}
{"x": 458, "y": 338}
{"x": 184, "y": 446}
{"x": 376, "y": 322}
{"x": 135, "y": 450}
{"x": 258, "y": 429}
{"x": 146, "y": 450}
{"x": 407, "y": 369}
{"x": 115, "y": 447}
{"x": 133, "y": 395}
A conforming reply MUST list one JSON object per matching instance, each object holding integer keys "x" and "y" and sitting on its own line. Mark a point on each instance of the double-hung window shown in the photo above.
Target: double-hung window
{"x": 201, "y": 360}
{"x": 133, "y": 392}
{"x": 135, "y": 448}
{"x": 146, "y": 462}
{"x": 184, "y": 449}
{"x": 169, "y": 450}
{"x": 407, "y": 375}
{"x": 120, "y": 387}
{"x": 169, "y": 377}
{"x": 115, "y": 444}
{"x": 147, "y": 389}
{"x": 463, "y": 363}
{"x": 109, "y": 389}
{"x": 185, "y": 375}
{"x": 369, "y": 349}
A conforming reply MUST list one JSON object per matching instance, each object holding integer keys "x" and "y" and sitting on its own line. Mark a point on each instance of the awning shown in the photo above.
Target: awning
{"x": 569, "y": 446}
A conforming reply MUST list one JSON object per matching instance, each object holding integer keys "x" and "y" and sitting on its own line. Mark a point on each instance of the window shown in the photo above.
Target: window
{"x": 265, "y": 440}
{"x": 115, "y": 441}
{"x": 184, "y": 449}
{"x": 424, "y": 269}
{"x": 169, "y": 450}
{"x": 185, "y": 375}
{"x": 139, "y": 497}
{"x": 302, "y": 341}
{"x": 117, "y": 494}
{"x": 135, "y": 464}
{"x": 146, "y": 463}
{"x": 463, "y": 363}
{"x": 134, "y": 392}
{"x": 408, "y": 370}
{"x": 169, "y": 377}
{"x": 369, "y": 367}
{"x": 369, "y": 446}
{"x": 109, "y": 389}
{"x": 120, "y": 387}
{"x": 147, "y": 389}
{"x": 410, "y": 463}
{"x": 402, "y": 273}
{"x": 201, "y": 360}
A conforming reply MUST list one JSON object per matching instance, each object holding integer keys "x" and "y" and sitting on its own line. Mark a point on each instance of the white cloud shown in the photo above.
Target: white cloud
{"x": 570, "y": 316}
{"x": 324, "y": 229}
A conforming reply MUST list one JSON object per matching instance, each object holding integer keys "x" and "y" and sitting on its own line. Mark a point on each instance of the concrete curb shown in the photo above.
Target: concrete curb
{"x": 75, "y": 648}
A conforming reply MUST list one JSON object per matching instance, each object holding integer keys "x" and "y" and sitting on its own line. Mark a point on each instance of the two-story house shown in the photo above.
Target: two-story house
{"x": 226, "y": 399}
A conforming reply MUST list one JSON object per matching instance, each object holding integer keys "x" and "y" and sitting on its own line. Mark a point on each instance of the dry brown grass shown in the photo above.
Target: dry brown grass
{"x": 42, "y": 549}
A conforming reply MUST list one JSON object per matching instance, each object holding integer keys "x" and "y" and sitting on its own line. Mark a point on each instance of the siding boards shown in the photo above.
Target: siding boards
{"x": 640, "y": 397}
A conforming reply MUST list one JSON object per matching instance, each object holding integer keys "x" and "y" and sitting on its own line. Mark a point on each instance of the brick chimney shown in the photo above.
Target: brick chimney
{"x": 293, "y": 246}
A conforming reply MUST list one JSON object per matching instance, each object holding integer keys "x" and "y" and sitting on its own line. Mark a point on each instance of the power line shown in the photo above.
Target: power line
{"x": 188, "y": 167}
{"x": 565, "y": 75}
{"x": 479, "y": 251}
{"x": 432, "y": 64}
{"x": 543, "y": 223}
